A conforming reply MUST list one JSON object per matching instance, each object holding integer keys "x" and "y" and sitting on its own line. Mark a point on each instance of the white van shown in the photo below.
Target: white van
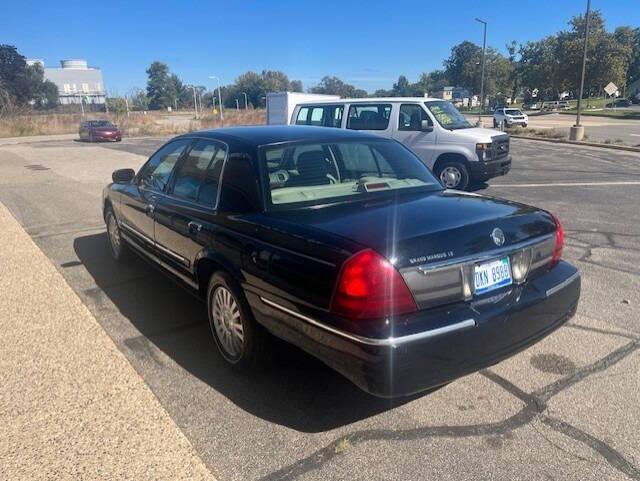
{"x": 433, "y": 129}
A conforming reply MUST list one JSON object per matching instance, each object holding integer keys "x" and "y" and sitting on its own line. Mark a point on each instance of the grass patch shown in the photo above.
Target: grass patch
{"x": 137, "y": 124}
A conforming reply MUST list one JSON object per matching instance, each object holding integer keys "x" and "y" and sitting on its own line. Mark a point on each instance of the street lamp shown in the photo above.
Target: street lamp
{"x": 484, "y": 51}
{"x": 195, "y": 102}
{"x": 577, "y": 131}
{"x": 219, "y": 96}
{"x": 246, "y": 102}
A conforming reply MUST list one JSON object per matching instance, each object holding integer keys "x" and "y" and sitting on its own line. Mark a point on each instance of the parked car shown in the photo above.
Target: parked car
{"x": 555, "y": 105}
{"x": 509, "y": 117}
{"x": 344, "y": 244}
{"x": 620, "y": 103}
{"x": 99, "y": 130}
{"x": 457, "y": 153}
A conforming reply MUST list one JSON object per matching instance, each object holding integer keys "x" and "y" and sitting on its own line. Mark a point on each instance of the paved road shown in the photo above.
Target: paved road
{"x": 565, "y": 409}
{"x": 598, "y": 129}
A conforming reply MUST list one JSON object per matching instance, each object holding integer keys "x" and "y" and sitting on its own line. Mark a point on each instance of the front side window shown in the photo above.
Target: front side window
{"x": 411, "y": 117}
{"x": 198, "y": 175}
{"x": 157, "y": 171}
{"x": 447, "y": 115}
{"x": 314, "y": 173}
{"x": 369, "y": 116}
{"x": 321, "y": 115}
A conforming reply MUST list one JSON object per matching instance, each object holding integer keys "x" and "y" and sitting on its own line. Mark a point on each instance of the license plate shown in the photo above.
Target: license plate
{"x": 492, "y": 275}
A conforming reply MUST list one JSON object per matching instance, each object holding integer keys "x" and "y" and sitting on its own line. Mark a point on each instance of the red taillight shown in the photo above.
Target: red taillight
{"x": 557, "y": 250}
{"x": 369, "y": 287}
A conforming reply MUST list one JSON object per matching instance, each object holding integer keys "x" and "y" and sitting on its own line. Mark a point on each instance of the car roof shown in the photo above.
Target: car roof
{"x": 368, "y": 100}
{"x": 273, "y": 134}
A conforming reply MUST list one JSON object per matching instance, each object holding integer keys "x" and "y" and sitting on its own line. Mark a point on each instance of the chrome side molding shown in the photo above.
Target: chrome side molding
{"x": 563, "y": 284}
{"x": 387, "y": 342}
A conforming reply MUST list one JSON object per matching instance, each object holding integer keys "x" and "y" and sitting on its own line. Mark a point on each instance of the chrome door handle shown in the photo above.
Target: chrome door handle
{"x": 194, "y": 226}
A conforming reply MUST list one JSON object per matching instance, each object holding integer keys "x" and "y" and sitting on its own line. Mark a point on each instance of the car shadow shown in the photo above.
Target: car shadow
{"x": 293, "y": 390}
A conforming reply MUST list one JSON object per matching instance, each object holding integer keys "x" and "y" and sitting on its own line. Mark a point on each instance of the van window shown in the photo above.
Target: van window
{"x": 321, "y": 115}
{"x": 411, "y": 117}
{"x": 369, "y": 116}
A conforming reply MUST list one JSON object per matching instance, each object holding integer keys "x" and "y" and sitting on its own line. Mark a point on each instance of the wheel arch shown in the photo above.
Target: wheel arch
{"x": 450, "y": 157}
{"x": 207, "y": 263}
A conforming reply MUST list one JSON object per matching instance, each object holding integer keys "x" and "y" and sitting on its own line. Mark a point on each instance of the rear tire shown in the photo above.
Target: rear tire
{"x": 453, "y": 175}
{"x": 241, "y": 341}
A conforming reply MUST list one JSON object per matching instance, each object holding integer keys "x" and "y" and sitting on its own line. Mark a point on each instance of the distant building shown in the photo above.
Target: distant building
{"x": 76, "y": 81}
{"x": 452, "y": 93}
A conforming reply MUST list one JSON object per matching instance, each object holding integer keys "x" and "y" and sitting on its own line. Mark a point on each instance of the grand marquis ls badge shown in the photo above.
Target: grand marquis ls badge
{"x": 498, "y": 236}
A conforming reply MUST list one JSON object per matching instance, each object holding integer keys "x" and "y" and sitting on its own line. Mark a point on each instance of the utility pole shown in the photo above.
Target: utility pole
{"x": 237, "y": 104}
{"x": 577, "y": 131}
{"x": 484, "y": 54}
{"x": 126, "y": 103}
{"x": 246, "y": 102}
{"x": 219, "y": 96}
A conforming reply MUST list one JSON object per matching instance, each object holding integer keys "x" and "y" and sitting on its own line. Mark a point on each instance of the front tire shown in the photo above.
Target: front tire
{"x": 453, "y": 175}
{"x": 117, "y": 246}
{"x": 241, "y": 341}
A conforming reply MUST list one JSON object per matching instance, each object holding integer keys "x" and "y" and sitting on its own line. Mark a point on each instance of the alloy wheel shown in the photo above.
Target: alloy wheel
{"x": 114, "y": 235}
{"x": 227, "y": 322}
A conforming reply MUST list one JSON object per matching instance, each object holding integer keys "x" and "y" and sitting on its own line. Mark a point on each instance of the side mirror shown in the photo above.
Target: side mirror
{"x": 425, "y": 126}
{"x": 123, "y": 176}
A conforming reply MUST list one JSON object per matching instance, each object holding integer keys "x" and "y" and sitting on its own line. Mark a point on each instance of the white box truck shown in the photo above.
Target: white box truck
{"x": 280, "y": 105}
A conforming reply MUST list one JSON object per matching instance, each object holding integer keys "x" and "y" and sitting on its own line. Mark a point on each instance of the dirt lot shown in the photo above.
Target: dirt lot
{"x": 568, "y": 408}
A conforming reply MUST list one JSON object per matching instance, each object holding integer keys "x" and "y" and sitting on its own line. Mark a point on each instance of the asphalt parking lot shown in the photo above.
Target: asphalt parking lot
{"x": 568, "y": 408}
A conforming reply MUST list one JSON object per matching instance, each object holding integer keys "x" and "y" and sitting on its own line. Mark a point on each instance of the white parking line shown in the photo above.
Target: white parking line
{"x": 569, "y": 184}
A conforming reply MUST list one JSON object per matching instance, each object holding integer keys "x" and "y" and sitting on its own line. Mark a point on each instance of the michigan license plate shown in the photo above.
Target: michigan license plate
{"x": 492, "y": 275}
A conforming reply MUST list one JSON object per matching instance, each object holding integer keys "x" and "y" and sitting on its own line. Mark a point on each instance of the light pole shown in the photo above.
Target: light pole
{"x": 219, "y": 96}
{"x": 195, "y": 102}
{"x": 484, "y": 52}
{"x": 237, "y": 104}
{"x": 246, "y": 102}
{"x": 577, "y": 131}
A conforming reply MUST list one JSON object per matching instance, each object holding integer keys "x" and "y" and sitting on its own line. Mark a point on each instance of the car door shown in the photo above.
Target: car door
{"x": 409, "y": 131}
{"x": 138, "y": 200}
{"x": 185, "y": 214}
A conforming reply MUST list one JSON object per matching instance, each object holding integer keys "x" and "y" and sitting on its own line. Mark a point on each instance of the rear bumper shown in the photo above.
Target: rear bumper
{"x": 489, "y": 169}
{"x": 444, "y": 345}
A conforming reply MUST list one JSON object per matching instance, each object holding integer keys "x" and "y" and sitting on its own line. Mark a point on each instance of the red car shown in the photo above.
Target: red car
{"x": 97, "y": 130}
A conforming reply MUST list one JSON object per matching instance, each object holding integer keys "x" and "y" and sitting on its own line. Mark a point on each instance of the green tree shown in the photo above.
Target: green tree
{"x": 431, "y": 82}
{"x": 296, "y": 86}
{"x": 160, "y": 87}
{"x": 19, "y": 82}
{"x": 334, "y": 86}
{"x": 463, "y": 67}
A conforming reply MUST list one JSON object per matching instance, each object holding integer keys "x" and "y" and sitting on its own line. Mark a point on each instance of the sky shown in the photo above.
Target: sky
{"x": 366, "y": 43}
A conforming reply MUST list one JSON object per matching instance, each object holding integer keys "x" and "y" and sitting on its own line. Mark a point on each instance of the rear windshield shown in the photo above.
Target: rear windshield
{"x": 321, "y": 172}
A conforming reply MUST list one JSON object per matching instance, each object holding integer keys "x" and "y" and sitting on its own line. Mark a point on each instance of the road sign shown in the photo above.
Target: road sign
{"x": 611, "y": 88}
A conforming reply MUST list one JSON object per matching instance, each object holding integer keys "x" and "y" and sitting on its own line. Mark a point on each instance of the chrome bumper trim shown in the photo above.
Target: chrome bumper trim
{"x": 563, "y": 284}
{"x": 388, "y": 342}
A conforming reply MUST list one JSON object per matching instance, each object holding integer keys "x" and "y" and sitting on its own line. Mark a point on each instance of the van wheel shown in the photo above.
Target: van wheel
{"x": 453, "y": 175}
{"x": 241, "y": 341}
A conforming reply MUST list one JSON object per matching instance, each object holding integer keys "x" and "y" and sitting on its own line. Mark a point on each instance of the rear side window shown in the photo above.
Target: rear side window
{"x": 197, "y": 177}
{"x": 411, "y": 117}
{"x": 369, "y": 117}
{"x": 321, "y": 115}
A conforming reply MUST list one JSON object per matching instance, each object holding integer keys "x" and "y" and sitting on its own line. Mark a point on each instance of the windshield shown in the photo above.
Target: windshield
{"x": 313, "y": 173}
{"x": 447, "y": 115}
{"x": 512, "y": 112}
{"x": 100, "y": 123}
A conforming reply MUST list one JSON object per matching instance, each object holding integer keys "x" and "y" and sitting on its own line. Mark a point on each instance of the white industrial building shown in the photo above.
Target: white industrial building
{"x": 76, "y": 81}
